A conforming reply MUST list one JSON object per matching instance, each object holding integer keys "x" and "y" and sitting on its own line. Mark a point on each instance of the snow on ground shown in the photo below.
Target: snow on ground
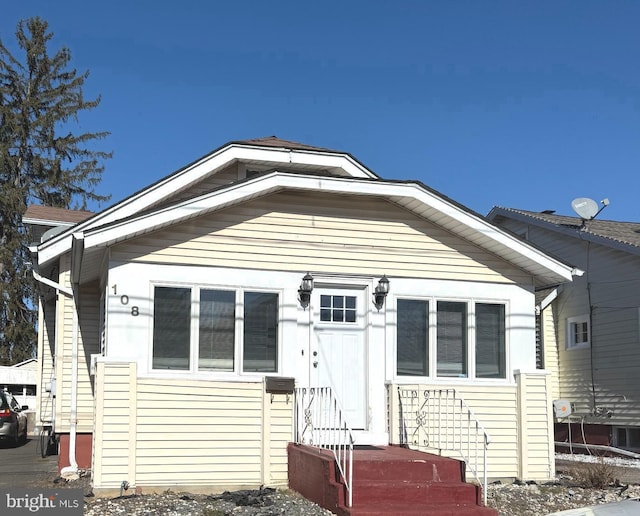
{"x": 614, "y": 461}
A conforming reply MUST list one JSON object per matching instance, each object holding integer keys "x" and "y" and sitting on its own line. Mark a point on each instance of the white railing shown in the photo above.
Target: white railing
{"x": 439, "y": 419}
{"x": 319, "y": 422}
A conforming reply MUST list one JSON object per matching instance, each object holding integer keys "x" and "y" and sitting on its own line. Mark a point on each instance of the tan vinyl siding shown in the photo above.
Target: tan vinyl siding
{"x": 188, "y": 414}
{"x": 496, "y": 409}
{"x": 112, "y": 441}
{"x": 188, "y": 432}
{"x": 536, "y": 436}
{"x": 46, "y": 349}
{"x": 279, "y": 429}
{"x": 549, "y": 336}
{"x": 343, "y": 234}
{"x": 64, "y": 311}
{"x": 88, "y": 342}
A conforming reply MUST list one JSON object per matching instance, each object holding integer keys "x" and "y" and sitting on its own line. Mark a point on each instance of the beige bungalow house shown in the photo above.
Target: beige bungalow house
{"x": 590, "y": 328}
{"x": 181, "y": 326}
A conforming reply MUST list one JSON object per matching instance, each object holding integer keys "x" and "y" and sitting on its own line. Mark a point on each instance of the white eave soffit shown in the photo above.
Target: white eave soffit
{"x": 412, "y": 196}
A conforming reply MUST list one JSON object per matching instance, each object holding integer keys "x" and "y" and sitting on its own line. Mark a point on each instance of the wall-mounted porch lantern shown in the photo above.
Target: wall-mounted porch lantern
{"x": 381, "y": 292}
{"x": 304, "y": 292}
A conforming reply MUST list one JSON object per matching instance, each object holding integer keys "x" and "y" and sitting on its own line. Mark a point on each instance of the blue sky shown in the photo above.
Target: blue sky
{"x": 517, "y": 104}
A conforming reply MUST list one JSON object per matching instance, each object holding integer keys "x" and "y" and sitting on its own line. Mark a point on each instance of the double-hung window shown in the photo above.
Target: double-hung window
{"x": 172, "y": 328}
{"x": 215, "y": 330}
{"x": 578, "y": 332}
{"x": 413, "y": 337}
{"x": 490, "y": 341}
{"x": 455, "y": 333}
{"x": 451, "y": 340}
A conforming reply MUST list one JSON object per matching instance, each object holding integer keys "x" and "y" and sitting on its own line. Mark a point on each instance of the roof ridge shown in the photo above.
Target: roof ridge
{"x": 274, "y": 141}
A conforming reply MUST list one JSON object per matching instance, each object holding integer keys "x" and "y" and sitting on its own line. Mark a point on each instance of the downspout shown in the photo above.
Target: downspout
{"x": 77, "y": 249}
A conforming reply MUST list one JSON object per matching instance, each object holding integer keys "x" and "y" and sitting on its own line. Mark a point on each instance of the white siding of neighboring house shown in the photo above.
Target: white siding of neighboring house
{"x": 615, "y": 296}
{"x": 341, "y": 234}
{"x": 159, "y": 433}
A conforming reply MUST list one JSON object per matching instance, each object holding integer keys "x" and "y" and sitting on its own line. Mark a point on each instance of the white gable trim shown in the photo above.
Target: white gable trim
{"x": 411, "y": 196}
{"x": 182, "y": 179}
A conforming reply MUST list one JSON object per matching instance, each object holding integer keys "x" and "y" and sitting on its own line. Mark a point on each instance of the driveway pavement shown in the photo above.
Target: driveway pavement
{"x": 24, "y": 467}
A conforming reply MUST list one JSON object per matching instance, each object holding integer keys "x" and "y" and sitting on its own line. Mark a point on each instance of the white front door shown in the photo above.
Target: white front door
{"x": 339, "y": 354}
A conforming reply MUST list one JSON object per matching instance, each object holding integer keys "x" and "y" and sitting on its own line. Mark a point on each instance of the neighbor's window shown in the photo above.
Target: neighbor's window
{"x": 216, "y": 338}
{"x": 412, "y": 344}
{"x": 171, "y": 328}
{"x": 260, "y": 332}
{"x": 578, "y": 332}
{"x": 627, "y": 437}
{"x": 490, "y": 341}
{"x": 451, "y": 339}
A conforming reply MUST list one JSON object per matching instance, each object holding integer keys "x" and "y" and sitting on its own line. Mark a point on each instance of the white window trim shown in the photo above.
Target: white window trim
{"x": 471, "y": 341}
{"x": 570, "y": 344}
{"x": 238, "y": 352}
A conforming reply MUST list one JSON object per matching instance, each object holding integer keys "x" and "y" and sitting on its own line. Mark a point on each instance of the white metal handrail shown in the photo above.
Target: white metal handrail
{"x": 440, "y": 419}
{"x": 319, "y": 422}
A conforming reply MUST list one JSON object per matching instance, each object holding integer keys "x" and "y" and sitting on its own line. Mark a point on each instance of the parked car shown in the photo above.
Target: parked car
{"x": 626, "y": 508}
{"x": 13, "y": 420}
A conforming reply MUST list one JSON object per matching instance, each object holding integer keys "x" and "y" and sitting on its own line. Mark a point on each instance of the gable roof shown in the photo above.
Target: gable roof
{"x": 49, "y": 216}
{"x": 274, "y": 141}
{"x": 46, "y": 221}
{"x": 624, "y": 236}
{"x": 141, "y": 213}
{"x": 412, "y": 196}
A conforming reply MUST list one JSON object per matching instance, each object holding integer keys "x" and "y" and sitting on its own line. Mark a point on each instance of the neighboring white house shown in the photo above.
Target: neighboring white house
{"x": 590, "y": 329}
{"x": 174, "y": 306}
{"x": 20, "y": 380}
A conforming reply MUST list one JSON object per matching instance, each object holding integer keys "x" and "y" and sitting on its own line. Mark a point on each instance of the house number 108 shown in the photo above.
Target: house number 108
{"x": 124, "y": 299}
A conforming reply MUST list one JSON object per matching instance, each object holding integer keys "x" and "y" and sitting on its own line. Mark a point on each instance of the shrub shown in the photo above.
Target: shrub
{"x": 597, "y": 475}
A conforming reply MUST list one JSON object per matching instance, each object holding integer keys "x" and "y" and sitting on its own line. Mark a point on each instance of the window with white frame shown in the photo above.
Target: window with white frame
{"x": 413, "y": 337}
{"x": 202, "y": 324}
{"x": 451, "y": 343}
{"x": 458, "y": 325}
{"x": 490, "y": 341}
{"x": 578, "y": 332}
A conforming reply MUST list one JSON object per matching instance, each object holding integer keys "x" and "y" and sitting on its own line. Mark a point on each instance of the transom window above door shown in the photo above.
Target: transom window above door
{"x": 336, "y": 308}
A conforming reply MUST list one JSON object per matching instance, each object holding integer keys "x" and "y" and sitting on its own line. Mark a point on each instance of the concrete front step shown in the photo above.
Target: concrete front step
{"x": 412, "y": 509}
{"x": 415, "y": 492}
{"x": 388, "y": 480}
{"x": 393, "y": 467}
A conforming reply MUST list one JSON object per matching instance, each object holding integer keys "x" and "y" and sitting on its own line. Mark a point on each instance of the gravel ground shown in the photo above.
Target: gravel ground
{"x": 518, "y": 499}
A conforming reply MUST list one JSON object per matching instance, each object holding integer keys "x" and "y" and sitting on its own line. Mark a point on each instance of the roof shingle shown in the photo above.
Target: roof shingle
{"x": 627, "y": 233}
{"x": 47, "y": 215}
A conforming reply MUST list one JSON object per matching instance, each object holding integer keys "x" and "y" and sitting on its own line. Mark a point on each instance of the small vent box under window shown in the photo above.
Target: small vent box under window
{"x": 562, "y": 408}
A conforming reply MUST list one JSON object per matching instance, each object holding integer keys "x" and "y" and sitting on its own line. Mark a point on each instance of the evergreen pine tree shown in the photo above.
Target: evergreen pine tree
{"x": 41, "y": 162}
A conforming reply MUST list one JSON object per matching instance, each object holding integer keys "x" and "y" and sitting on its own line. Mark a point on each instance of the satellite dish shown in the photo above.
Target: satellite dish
{"x": 585, "y": 208}
{"x": 50, "y": 233}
